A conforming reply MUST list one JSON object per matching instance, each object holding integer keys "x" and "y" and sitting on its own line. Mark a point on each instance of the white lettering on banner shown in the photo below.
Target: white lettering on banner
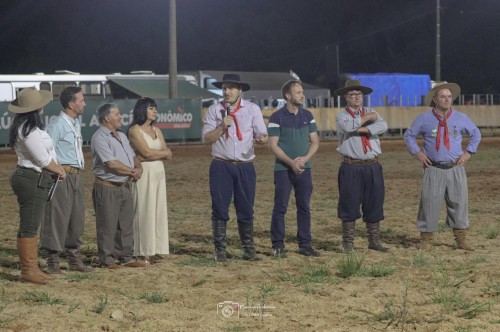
{"x": 175, "y": 117}
{"x": 82, "y": 124}
{"x": 126, "y": 119}
{"x": 5, "y": 121}
{"x": 94, "y": 122}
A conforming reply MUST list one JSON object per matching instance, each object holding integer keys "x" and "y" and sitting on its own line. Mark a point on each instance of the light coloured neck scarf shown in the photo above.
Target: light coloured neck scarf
{"x": 78, "y": 138}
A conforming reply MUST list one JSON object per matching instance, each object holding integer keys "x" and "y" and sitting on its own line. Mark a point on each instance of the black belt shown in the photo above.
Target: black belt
{"x": 352, "y": 161}
{"x": 443, "y": 165}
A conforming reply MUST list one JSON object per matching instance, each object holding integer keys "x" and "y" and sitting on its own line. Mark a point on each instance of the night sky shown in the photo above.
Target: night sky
{"x": 104, "y": 36}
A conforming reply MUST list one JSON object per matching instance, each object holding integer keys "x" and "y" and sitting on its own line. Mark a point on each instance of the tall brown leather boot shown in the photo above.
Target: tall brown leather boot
{"x": 373, "y": 229}
{"x": 28, "y": 258}
{"x": 426, "y": 239}
{"x": 460, "y": 238}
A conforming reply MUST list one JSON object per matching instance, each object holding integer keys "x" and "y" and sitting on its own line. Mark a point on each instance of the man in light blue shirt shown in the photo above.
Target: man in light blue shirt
{"x": 64, "y": 222}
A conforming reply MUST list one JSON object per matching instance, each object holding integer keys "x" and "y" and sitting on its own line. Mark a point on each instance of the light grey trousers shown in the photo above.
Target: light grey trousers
{"x": 450, "y": 184}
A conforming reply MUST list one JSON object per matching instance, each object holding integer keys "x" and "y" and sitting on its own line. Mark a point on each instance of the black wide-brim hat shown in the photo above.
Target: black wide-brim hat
{"x": 234, "y": 79}
{"x": 352, "y": 85}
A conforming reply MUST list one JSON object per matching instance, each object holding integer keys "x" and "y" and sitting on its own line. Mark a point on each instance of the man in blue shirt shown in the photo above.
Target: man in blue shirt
{"x": 443, "y": 161}
{"x": 64, "y": 222}
{"x": 293, "y": 138}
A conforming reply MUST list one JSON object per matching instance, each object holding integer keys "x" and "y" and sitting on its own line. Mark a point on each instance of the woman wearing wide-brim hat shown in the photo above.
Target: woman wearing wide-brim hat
{"x": 35, "y": 154}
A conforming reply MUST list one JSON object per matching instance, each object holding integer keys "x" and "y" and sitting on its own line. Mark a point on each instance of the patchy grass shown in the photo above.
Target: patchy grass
{"x": 403, "y": 290}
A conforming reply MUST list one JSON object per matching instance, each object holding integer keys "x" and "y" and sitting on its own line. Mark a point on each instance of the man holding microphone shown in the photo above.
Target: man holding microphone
{"x": 232, "y": 173}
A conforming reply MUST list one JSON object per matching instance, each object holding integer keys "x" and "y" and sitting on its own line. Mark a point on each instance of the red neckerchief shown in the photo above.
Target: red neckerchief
{"x": 233, "y": 114}
{"x": 364, "y": 137}
{"x": 442, "y": 123}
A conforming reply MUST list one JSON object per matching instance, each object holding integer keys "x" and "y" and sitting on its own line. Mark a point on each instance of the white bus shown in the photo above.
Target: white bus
{"x": 101, "y": 86}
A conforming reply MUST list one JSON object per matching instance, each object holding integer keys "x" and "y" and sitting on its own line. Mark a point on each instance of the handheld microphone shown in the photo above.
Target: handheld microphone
{"x": 228, "y": 111}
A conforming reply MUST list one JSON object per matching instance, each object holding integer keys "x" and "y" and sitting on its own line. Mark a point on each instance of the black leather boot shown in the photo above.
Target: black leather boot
{"x": 246, "y": 237}
{"x": 219, "y": 239}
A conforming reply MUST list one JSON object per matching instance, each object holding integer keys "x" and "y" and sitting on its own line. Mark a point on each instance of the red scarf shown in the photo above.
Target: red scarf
{"x": 442, "y": 123}
{"x": 364, "y": 137}
{"x": 233, "y": 115}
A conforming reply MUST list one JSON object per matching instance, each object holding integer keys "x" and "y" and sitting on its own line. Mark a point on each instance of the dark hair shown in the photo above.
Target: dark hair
{"x": 68, "y": 95}
{"x": 287, "y": 87}
{"x": 28, "y": 122}
{"x": 141, "y": 111}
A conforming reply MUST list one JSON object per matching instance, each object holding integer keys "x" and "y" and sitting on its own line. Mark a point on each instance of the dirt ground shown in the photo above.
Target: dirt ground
{"x": 405, "y": 290}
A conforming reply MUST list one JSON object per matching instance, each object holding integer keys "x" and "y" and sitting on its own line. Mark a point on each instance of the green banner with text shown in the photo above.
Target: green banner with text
{"x": 179, "y": 119}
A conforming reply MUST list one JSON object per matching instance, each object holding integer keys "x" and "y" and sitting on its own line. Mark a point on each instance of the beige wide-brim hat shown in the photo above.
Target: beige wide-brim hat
{"x": 30, "y": 99}
{"x": 353, "y": 85}
{"x": 453, "y": 87}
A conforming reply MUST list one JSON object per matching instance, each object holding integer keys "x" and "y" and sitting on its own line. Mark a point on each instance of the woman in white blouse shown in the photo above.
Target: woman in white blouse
{"x": 36, "y": 172}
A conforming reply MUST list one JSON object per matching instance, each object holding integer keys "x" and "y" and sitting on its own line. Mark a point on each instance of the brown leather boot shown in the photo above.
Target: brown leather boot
{"x": 373, "y": 229}
{"x": 53, "y": 262}
{"x": 348, "y": 228}
{"x": 460, "y": 238}
{"x": 75, "y": 261}
{"x": 28, "y": 259}
{"x": 426, "y": 239}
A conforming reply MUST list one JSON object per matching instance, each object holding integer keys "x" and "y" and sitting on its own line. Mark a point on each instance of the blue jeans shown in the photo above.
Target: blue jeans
{"x": 284, "y": 181}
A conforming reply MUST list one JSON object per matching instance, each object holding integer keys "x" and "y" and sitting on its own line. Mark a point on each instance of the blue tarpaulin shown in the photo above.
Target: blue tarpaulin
{"x": 395, "y": 89}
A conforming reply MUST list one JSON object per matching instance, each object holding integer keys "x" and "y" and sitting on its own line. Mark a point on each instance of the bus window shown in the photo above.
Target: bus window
{"x": 57, "y": 87}
{"x": 45, "y": 86}
{"x": 91, "y": 89}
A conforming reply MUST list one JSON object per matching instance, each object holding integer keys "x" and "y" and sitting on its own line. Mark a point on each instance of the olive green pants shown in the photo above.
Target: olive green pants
{"x": 32, "y": 199}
